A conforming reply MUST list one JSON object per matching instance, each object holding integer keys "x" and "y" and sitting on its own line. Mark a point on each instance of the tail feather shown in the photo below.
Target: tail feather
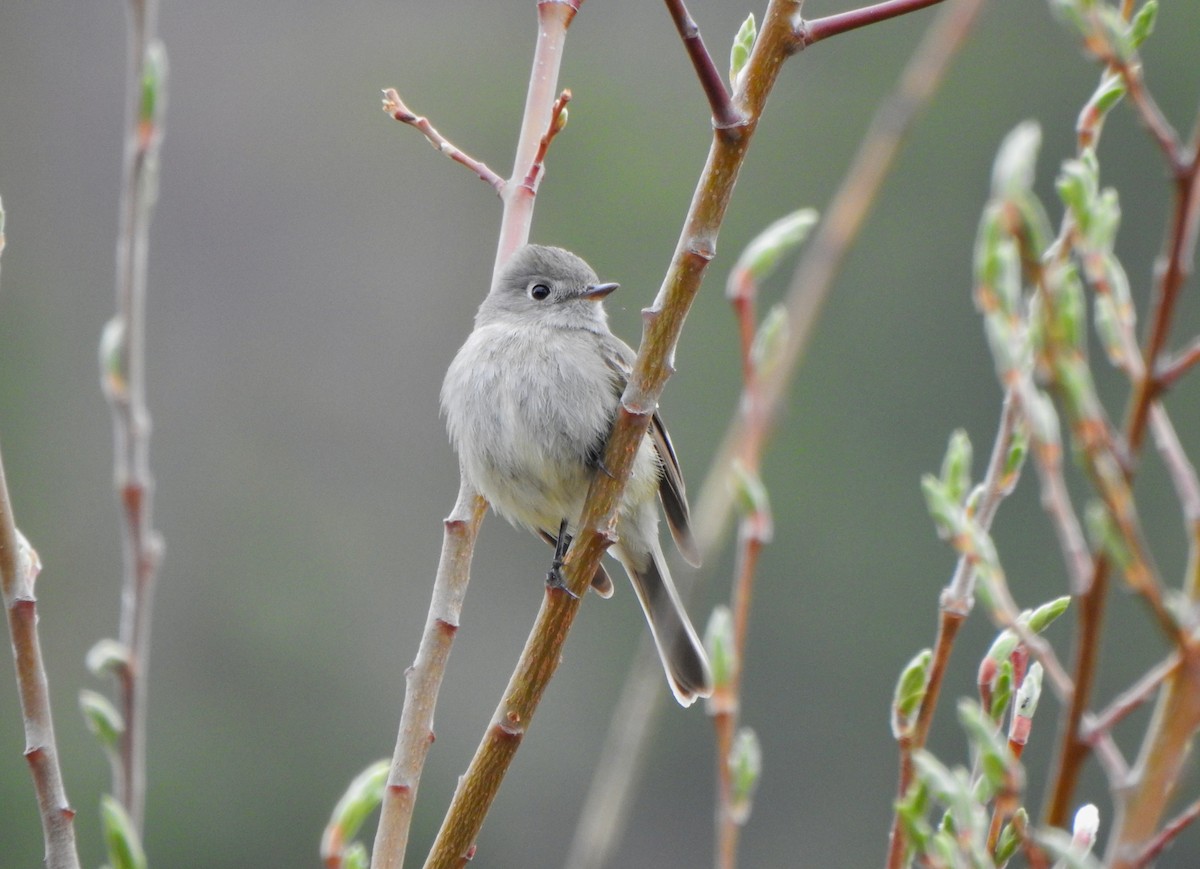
{"x": 680, "y": 649}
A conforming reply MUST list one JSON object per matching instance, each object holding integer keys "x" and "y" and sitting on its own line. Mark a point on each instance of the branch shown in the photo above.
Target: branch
{"x": 1167, "y": 835}
{"x": 725, "y": 116}
{"x": 123, "y": 362}
{"x": 843, "y": 22}
{"x": 424, "y": 678}
{"x": 19, "y": 565}
{"x": 558, "y": 120}
{"x": 394, "y": 106}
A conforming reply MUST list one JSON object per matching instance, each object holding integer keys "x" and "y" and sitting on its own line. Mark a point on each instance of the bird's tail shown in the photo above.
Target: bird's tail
{"x": 679, "y": 648}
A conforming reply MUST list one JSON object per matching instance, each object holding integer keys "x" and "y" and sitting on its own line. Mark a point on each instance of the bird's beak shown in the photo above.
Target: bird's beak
{"x": 596, "y": 292}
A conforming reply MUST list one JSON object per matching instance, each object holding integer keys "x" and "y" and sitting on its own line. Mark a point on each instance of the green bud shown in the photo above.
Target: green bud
{"x": 361, "y": 798}
{"x": 1018, "y": 448}
{"x": 718, "y": 641}
{"x": 154, "y": 84}
{"x": 1070, "y": 306}
{"x": 1142, "y": 24}
{"x": 1011, "y": 836}
{"x": 770, "y": 339}
{"x": 956, "y": 466}
{"x": 1, "y": 226}
{"x": 1076, "y": 186}
{"x": 996, "y": 761}
{"x": 1059, "y": 845}
{"x": 911, "y": 811}
{"x": 910, "y": 692}
{"x": 1104, "y": 536}
{"x": 1002, "y": 692}
{"x": 946, "y": 513}
{"x": 120, "y": 836}
{"x": 1109, "y": 330}
{"x": 1108, "y": 93}
{"x": 1043, "y": 419}
{"x": 1045, "y": 615}
{"x": 762, "y": 254}
{"x": 113, "y": 382}
{"x": 107, "y": 657}
{"x": 745, "y": 764}
{"x": 740, "y": 52}
{"x": 356, "y": 857}
{"x": 1016, "y": 161}
{"x": 751, "y": 493}
{"x": 1030, "y": 691}
{"x": 1071, "y": 11}
{"x": 1004, "y": 645}
{"x": 102, "y": 719}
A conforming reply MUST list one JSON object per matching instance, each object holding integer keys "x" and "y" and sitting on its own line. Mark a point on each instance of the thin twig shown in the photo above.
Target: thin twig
{"x": 1129, "y": 699}
{"x": 843, "y": 22}
{"x": 1167, "y": 835}
{"x": 18, "y": 570}
{"x": 558, "y": 120}
{"x": 725, "y": 115}
{"x": 394, "y": 106}
{"x": 1178, "y": 365}
{"x": 124, "y": 383}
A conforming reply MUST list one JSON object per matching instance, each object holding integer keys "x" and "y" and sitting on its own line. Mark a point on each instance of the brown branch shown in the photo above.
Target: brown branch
{"x": 1167, "y": 835}
{"x": 124, "y": 382}
{"x": 18, "y": 570}
{"x": 394, "y": 106}
{"x": 1129, "y": 699}
{"x": 809, "y": 32}
{"x": 1178, "y": 365}
{"x": 725, "y": 115}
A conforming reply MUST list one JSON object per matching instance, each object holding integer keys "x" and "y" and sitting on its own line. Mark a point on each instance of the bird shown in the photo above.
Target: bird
{"x": 529, "y": 401}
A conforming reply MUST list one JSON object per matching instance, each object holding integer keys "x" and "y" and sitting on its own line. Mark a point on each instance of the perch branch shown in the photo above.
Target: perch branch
{"x": 540, "y": 122}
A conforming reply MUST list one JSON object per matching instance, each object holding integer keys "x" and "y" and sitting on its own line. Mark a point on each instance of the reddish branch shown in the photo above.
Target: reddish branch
{"x": 725, "y": 116}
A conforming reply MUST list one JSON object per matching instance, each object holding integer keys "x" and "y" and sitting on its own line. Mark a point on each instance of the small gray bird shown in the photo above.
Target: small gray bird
{"x": 529, "y": 401}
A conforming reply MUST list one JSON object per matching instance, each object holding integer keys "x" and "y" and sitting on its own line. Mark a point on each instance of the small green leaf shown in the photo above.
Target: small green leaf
{"x": 1018, "y": 448}
{"x": 1016, "y": 161}
{"x": 946, "y": 513}
{"x": 1002, "y": 691}
{"x": 956, "y": 466}
{"x": 113, "y": 382}
{"x": 1030, "y": 691}
{"x": 154, "y": 84}
{"x": 361, "y": 798}
{"x": 1142, "y": 24}
{"x": 770, "y": 340}
{"x": 910, "y": 692}
{"x": 120, "y": 836}
{"x": 743, "y": 43}
{"x": 107, "y": 657}
{"x": 1011, "y": 836}
{"x": 745, "y": 764}
{"x": 1045, "y": 615}
{"x": 718, "y": 641}
{"x": 751, "y": 493}
{"x": 356, "y": 857}
{"x": 102, "y": 718}
{"x": 1043, "y": 420}
{"x": 762, "y": 254}
{"x": 1104, "y": 535}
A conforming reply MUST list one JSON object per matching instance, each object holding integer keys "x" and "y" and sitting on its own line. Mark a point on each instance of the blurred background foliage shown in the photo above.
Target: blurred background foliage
{"x": 313, "y": 268}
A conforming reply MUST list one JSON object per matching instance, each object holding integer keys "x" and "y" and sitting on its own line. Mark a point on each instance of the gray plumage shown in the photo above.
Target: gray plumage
{"x": 529, "y": 401}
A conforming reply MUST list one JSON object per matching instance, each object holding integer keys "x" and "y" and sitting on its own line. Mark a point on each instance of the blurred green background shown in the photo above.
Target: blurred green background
{"x": 313, "y": 268}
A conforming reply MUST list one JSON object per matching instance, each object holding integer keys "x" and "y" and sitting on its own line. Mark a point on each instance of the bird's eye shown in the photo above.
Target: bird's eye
{"x": 539, "y": 292}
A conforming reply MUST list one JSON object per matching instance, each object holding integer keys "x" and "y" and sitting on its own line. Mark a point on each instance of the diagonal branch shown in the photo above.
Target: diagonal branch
{"x": 394, "y": 106}
{"x": 725, "y": 116}
{"x": 843, "y": 22}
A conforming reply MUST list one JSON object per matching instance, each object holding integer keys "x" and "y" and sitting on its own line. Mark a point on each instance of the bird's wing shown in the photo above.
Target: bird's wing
{"x": 671, "y": 489}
